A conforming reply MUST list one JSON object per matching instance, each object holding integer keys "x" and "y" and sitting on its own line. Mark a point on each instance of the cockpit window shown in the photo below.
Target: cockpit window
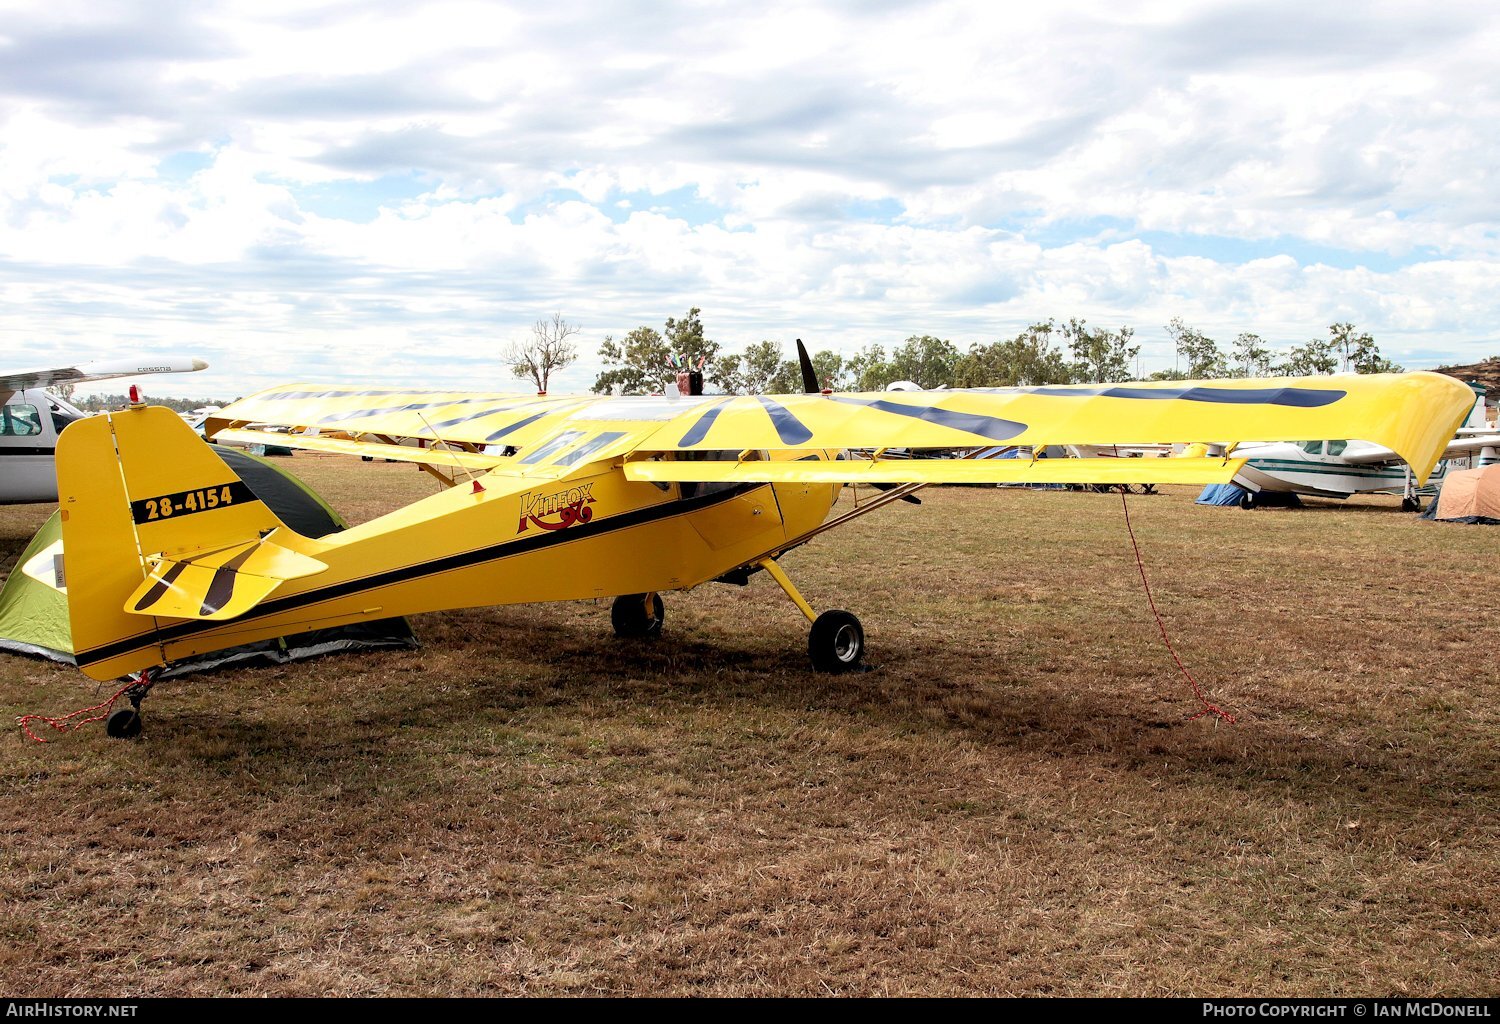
{"x": 1337, "y": 447}
{"x": 20, "y": 420}
{"x": 1313, "y": 447}
{"x": 61, "y": 417}
{"x": 692, "y": 489}
{"x": 551, "y": 448}
{"x": 589, "y": 447}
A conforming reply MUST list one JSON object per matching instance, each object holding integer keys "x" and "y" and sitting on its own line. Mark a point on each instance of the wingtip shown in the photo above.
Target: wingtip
{"x": 199, "y": 364}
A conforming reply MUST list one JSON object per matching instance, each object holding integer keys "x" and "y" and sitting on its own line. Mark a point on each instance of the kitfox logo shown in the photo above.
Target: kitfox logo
{"x": 569, "y": 508}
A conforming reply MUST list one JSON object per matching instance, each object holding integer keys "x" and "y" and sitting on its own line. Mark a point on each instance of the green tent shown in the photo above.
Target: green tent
{"x": 34, "y": 605}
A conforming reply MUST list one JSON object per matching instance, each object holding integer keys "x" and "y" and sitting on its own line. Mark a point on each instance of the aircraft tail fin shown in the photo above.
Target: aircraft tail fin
{"x": 157, "y": 527}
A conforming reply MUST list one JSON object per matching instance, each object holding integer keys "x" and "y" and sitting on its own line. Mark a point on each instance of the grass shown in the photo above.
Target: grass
{"x": 1014, "y": 802}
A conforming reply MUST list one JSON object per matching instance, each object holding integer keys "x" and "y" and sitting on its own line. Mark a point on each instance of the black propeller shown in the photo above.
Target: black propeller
{"x": 811, "y": 386}
{"x": 809, "y": 376}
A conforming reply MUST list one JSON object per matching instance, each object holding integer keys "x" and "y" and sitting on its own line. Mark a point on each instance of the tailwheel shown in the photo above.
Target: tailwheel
{"x": 123, "y": 723}
{"x": 637, "y": 616}
{"x": 836, "y": 642}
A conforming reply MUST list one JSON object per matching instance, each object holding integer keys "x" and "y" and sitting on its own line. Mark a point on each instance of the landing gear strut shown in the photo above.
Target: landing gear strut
{"x": 836, "y": 642}
{"x": 637, "y": 616}
{"x": 125, "y": 723}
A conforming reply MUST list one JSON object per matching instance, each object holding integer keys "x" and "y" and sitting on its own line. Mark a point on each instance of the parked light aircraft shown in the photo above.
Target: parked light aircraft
{"x": 31, "y": 419}
{"x": 602, "y": 497}
{"x": 1338, "y": 469}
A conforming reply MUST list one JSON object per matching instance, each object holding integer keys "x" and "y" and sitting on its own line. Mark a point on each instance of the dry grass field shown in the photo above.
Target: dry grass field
{"x": 1014, "y": 802}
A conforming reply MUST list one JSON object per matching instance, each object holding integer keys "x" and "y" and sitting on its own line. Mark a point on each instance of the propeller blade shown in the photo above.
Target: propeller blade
{"x": 810, "y": 383}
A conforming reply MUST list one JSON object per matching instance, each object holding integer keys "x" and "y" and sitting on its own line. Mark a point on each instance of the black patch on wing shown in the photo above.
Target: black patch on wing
{"x": 700, "y": 426}
{"x": 789, "y": 428}
{"x": 1297, "y": 398}
{"x": 992, "y": 427}
{"x": 221, "y": 587}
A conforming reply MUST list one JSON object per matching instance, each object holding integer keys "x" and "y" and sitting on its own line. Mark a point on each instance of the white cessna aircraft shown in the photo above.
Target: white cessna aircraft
{"x": 1338, "y": 469}
{"x": 31, "y": 419}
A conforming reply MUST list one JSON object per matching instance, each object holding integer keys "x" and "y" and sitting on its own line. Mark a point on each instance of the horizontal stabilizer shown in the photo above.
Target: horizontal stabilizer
{"x": 220, "y": 583}
{"x": 944, "y": 471}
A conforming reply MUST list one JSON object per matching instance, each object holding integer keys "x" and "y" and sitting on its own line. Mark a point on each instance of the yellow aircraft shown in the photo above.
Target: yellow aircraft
{"x": 569, "y": 497}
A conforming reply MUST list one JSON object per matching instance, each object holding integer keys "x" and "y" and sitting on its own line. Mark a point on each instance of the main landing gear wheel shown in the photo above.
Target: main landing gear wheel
{"x": 1410, "y": 505}
{"x": 123, "y": 723}
{"x": 1247, "y": 500}
{"x": 836, "y": 642}
{"x": 637, "y": 616}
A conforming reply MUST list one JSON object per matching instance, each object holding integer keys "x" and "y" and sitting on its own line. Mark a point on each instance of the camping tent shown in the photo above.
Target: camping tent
{"x": 34, "y": 608}
{"x": 1468, "y": 496}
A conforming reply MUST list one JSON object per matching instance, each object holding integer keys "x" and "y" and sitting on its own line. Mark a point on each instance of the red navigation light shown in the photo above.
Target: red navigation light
{"x": 136, "y": 401}
{"x": 478, "y": 487}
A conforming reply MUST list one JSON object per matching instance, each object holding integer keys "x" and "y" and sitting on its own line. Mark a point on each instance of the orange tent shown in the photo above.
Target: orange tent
{"x": 1470, "y": 496}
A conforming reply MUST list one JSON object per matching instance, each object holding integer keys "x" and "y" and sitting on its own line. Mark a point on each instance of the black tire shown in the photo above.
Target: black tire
{"x": 1247, "y": 500}
{"x": 123, "y": 723}
{"x": 836, "y": 642}
{"x": 629, "y": 617}
{"x": 1411, "y": 505}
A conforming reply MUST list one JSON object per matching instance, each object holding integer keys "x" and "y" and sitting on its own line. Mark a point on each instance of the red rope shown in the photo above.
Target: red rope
{"x": 64, "y": 724}
{"x": 1208, "y": 708}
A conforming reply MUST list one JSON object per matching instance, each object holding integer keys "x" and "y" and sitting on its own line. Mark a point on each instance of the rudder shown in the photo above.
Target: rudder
{"x": 149, "y": 509}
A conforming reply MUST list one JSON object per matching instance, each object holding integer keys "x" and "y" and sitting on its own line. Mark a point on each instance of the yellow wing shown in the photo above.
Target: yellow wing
{"x": 1414, "y": 414}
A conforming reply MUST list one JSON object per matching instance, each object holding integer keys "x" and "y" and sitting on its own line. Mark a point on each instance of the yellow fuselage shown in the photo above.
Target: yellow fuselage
{"x": 554, "y": 534}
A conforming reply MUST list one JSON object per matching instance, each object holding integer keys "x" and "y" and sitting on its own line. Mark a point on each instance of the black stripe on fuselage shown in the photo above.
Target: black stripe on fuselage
{"x": 405, "y": 574}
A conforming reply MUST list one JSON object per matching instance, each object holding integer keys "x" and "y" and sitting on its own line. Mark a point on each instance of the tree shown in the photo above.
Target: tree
{"x": 639, "y": 364}
{"x": 1359, "y": 351}
{"x": 1310, "y": 360}
{"x": 548, "y": 349}
{"x": 753, "y": 373}
{"x": 1204, "y": 360}
{"x": 828, "y": 368}
{"x": 925, "y": 361}
{"x": 1030, "y": 358}
{"x": 868, "y": 370}
{"x": 1251, "y": 357}
{"x": 1100, "y": 356}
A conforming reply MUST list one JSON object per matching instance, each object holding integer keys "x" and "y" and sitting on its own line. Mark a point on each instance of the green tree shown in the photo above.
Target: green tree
{"x": 1204, "y": 360}
{"x": 828, "y": 367}
{"x": 868, "y": 370}
{"x": 1100, "y": 356}
{"x": 639, "y": 364}
{"x": 751, "y": 373}
{"x": 1030, "y": 358}
{"x": 1358, "y": 350}
{"x": 1251, "y": 357}
{"x": 925, "y": 361}
{"x": 1168, "y": 375}
{"x": 1310, "y": 360}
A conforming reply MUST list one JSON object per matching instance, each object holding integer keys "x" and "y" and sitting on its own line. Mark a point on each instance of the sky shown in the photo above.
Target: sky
{"x": 384, "y": 191}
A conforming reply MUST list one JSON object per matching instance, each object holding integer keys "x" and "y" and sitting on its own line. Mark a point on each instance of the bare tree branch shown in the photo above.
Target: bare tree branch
{"x": 548, "y": 349}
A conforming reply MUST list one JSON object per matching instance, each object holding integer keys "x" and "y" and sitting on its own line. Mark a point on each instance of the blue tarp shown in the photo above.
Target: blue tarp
{"x": 1221, "y": 494}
